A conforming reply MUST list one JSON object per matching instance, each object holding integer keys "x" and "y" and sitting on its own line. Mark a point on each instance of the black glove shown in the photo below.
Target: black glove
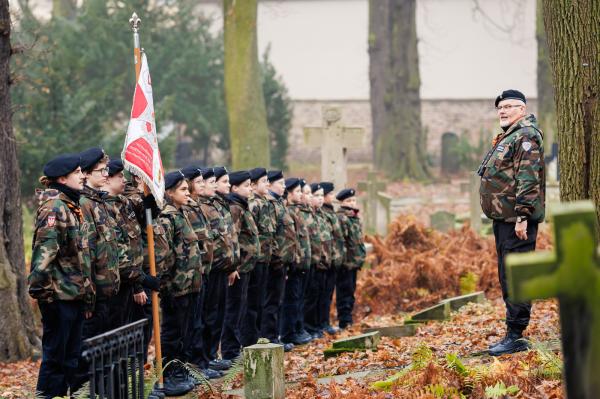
{"x": 151, "y": 282}
{"x": 150, "y": 203}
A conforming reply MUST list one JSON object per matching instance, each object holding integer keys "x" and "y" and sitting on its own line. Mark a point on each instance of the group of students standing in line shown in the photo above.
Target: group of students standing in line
{"x": 240, "y": 255}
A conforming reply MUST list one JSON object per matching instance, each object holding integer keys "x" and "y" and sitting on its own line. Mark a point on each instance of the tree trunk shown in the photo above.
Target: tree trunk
{"x": 546, "y": 107}
{"x": 243, "y": 87}
{"x": 573, "y": 29}
{"x": 17, "y": 332}
{"x": 398, "y": 137}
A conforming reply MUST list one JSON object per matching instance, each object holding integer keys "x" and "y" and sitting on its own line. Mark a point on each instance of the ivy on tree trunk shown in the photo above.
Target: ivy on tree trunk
{"x": 399, "y": 141}
{"x": 573, "y": 29}
{"x": 244, "y": 97}
{"x": 17, "y": 332}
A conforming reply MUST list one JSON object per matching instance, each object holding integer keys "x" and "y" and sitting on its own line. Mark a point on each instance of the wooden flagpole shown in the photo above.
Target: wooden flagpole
{"x": 135, "y": 22}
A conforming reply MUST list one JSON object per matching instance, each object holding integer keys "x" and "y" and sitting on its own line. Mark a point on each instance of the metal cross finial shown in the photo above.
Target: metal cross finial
{"x": 135, "y": 22}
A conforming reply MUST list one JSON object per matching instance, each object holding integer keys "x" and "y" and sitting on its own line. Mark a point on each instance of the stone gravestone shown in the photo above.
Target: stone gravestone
{"x": 572, "y": 273}
{"x": 450, "y": 160}
{"x": 264, "y": 371}
{"x": 442, "y": 221}
{"x": 371, "y": 187}
{"x": 334, "y": 140}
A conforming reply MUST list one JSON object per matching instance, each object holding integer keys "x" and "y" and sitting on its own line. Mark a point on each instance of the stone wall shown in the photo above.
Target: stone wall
{"x": 472, "y": 118}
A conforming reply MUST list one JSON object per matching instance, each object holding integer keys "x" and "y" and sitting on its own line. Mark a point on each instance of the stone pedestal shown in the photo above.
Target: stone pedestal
{"x": 263, "y": 372}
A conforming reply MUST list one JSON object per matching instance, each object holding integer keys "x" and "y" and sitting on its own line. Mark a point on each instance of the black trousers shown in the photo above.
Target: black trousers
{"x": 269, "y": 325}
{"x": 327, "y": 296}
{"x": 144, "y": 311}
{"x": 345, "y": 287}
{"x": 214, "y": 312}
{"x": 195, "y": 348}
{"x": 292, "y": 304}
{"x": 121, "y": 307}
{"x": 300, "y": 319}
{"x": 175, "y": 326}
{"x": 517, "y": 314}
{"x": 235, "y": 302}
{"x": 312, "y": 305}
{"x": 257, "y": 286}
{"x": 62, "y": 323}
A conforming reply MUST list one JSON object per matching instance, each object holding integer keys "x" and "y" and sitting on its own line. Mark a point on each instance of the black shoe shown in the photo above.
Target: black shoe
{"x": 212, "y": 374}
{"x": 220, "y": 364}
{"x": 157, "y": 393}
{"x": 331, "y": 330}
{"x": 345, "y": 326}
{"x": 318, "y": 335}
{"x": 288, "y": 347}
{"x": 305, "y": 336}
{"x": 299, "y": 340}
{"x": 501, "y": 342}
{"x": 175, "y": 387}
{"x": 513, "y": 343}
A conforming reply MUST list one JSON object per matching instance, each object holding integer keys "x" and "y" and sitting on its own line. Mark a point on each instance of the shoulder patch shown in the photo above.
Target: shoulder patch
{"x": 51, "y": 220}
{"x": 526, "y": 145}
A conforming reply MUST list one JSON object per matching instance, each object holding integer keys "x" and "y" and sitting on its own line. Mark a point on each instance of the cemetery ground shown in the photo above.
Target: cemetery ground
{"x": 413, "y": 268}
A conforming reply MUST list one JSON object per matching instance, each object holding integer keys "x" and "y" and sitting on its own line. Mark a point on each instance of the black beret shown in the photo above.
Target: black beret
{"x": 62, "y": 165}
{"x": 345, "y": 193}
{"x": 191, "y": 172}
{"x": 327, "y": 187}
{"x": 274, "y": 175}
{"x": 302, "y": 182}
{"x": 220, "y": 171}
{"x": 115, "y": 166}
{"x": 315, "y": 187}
{"x": 207, "y": 173}
{"x": 291, "y": 183}
{"x": 172, "y": 178}
{"x": 238, "y": 177}
{"x": 510, "y": 95}
{"x": 91, "y": 157}
{"x": 257, "y": 173}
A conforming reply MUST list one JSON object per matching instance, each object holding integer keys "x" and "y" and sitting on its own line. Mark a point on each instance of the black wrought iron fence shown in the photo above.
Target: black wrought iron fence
{"x": 116, "y": 362}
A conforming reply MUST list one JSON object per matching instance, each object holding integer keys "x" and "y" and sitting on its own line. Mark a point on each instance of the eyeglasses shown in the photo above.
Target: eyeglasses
{"x": 103, "y": 171}
{"x": 507, "y": 107}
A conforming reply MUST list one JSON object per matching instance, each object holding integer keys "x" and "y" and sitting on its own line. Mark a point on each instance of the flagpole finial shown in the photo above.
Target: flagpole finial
{"x": 135, "y": 22}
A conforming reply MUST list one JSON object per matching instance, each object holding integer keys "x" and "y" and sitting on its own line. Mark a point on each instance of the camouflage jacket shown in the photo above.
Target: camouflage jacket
{"x": 286, "y": 242}
{"x": 302, "y": 215}
{"x": 355, "y": 252}
{"x": 129, "y": 239}
{"x": 178, "y": 253}
{"x": 264, "y": 216}
{"x": 337, "y": 244}
{"x": 513, "y": 181}
{"x": 245, "y": 233}
{"x": 326, "y": 239}
{"x": 60, "y": 269}
{"x": 312, "y": 227}
{"x": 201, "y": 228}
{"x": 220, "y": 234}
{"x": 100, "y": 229}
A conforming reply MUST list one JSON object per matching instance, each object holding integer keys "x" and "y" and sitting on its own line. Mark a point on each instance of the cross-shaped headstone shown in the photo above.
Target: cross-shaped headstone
{"x": 334, "y": 139}
{"x": 572, "y": 273}
{"x": 372, "y": 187}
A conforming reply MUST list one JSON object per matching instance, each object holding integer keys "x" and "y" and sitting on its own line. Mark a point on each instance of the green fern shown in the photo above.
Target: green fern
{"x": 421, "y": 357}
{"x": 236, "y": 369}
{"x": 440, "y": 391}
{"x": 387, "y": 384}
{"x": 468, "y": 283}
{"x": 551, "y": 364}
{"x": 455, "y": 364}
{"x": 500, "y": 390}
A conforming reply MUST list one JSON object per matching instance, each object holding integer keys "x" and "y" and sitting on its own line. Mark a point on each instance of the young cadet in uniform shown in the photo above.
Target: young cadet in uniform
{"x": 179, "y": 261}
{"x": 215, "y": 207}
{"x": 283, "y": 253}
{"x": 292, "y": 322}
{"x": 320, "y": 263}
{"x": 245, "y": 233}
{"x": 199, "y": 221}
{"x": 354, "y": 256}
{"x": 100, "y": 230}
{"x": 262, "y": 211}
{"x": 336, "y": 251}
{"x": 308, "y": 219}
{"x": 131, "y": 247}
{"x": 60, "y": 277}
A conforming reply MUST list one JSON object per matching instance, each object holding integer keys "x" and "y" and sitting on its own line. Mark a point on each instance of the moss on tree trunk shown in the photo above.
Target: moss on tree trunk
{"x": 246, "y": 112}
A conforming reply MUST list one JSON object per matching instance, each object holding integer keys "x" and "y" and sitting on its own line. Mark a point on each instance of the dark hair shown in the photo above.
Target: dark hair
{"x": 46, "y": 181}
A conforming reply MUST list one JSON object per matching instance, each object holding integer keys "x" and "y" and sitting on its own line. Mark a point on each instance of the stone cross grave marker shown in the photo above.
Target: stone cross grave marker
{"x": 334, "y": 140}
{"x": 572, "y": 273}
{"x": 442, "y": 221}
{"x": 372, "y": 187}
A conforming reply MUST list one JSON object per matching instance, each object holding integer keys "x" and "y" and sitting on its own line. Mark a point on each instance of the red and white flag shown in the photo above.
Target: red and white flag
{"x": 141, "y": 155}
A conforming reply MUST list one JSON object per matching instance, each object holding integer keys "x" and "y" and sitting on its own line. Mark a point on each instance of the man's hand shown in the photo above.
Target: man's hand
{"x": 521, "y": 230}
{"x": 140, "y": 298}
{"x": 87, "y": 314}
{"x": 231, "y": 278}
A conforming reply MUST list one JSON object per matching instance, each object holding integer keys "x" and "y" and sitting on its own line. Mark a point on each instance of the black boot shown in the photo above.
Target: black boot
{"x": 176, "y": 384}
{"x": 514, "y": 342}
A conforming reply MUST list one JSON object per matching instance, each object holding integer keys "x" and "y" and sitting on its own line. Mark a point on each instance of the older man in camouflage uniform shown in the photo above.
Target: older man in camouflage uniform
{"x": 512, "y": 195}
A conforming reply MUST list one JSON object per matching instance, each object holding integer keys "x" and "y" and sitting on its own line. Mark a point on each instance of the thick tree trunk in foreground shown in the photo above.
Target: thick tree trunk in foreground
{"x": 546, "y": 107}
{"x": 243, "y": 88}
{"x": 398, "y": 138}
{"x": 17, "y": 332}
{"x": 573, "y": 32}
